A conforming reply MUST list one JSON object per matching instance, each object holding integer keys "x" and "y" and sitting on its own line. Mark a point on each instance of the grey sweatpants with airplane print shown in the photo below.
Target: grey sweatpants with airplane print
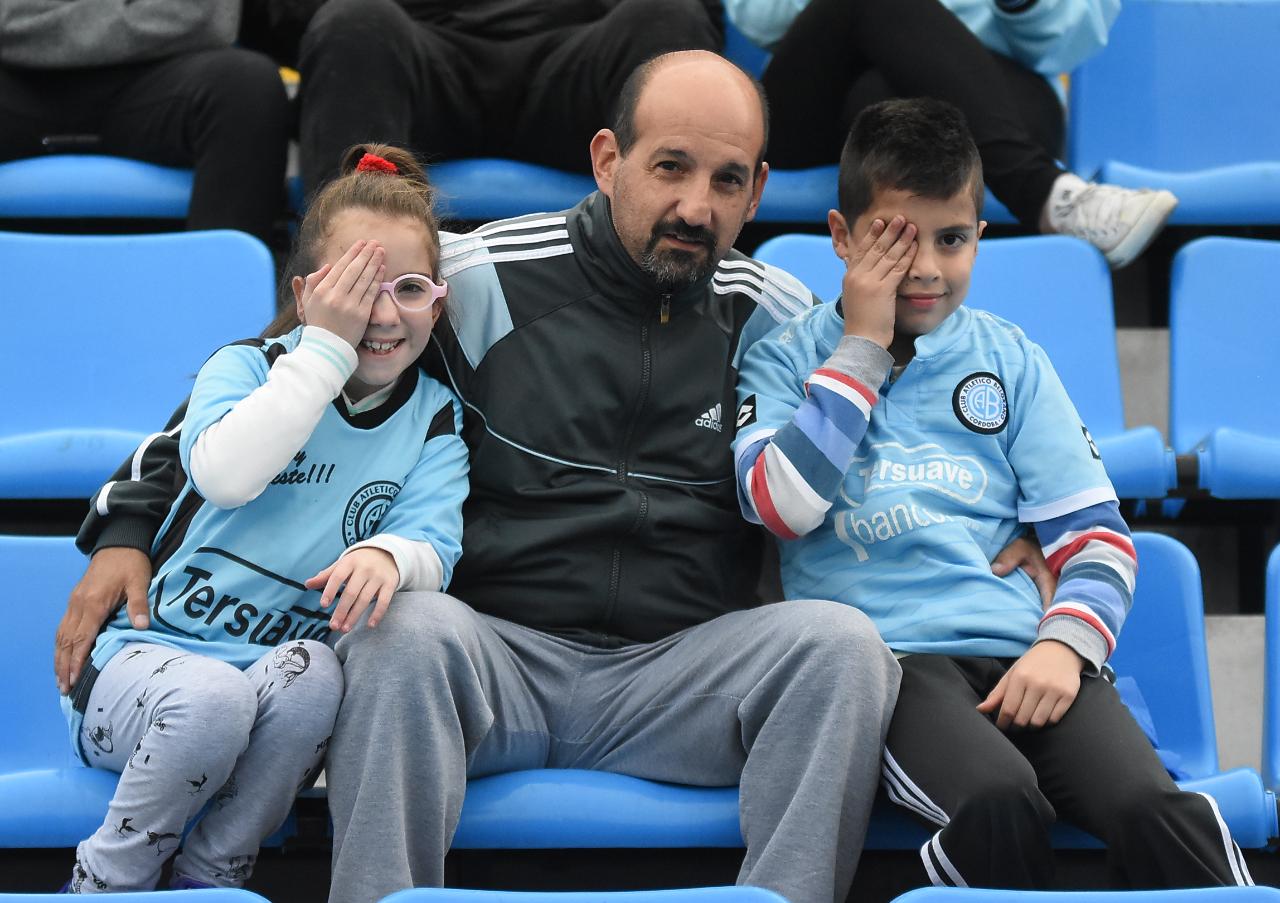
{"x": 186, "y": 731}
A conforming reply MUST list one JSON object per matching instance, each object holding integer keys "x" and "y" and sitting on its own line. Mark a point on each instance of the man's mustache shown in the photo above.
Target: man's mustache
{"x": 684, "y": 232}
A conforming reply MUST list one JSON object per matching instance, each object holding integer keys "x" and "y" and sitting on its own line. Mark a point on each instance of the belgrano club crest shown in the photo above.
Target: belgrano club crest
{"x": 365, "y": 510}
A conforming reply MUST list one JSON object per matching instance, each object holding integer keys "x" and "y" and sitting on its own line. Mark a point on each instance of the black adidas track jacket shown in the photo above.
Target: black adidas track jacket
{"x": 603, "y": 504}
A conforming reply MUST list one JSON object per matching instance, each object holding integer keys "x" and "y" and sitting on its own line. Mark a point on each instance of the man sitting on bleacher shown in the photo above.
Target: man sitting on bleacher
{"x": 606, "y": 573}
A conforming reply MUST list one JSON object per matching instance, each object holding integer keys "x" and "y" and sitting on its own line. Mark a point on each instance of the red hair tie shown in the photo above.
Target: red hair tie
{"x": 374, "y": 163}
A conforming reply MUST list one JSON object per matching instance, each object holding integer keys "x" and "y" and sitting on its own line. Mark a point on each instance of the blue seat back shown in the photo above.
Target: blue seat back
{"x": 106, "y": 335}
{"x": 1223, "y": 321}
{"x": 1162, "y": 647}
{"x": 40, "y": 572}
{"x": 92, "y": 185}
{"x": 1057, "y": 289}
{"x": 1181, "y": 85}
{"x": 1271, "y": 678}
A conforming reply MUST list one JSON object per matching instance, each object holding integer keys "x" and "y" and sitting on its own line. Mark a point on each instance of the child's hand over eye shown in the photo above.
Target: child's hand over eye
{"x": 369, "y": 574}
{"x": 339, "y": 297}
{"x": 874, "y": 270}
{"x": 1038, "y": 689}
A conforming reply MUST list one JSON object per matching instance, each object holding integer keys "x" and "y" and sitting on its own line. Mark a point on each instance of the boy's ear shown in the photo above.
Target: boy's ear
{"x": 297, "y": 283}
{"x": 839, "y": 234}
{"x": 982, "y": 227}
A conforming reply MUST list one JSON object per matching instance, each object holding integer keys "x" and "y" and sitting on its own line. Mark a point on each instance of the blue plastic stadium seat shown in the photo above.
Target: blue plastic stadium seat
{"x": 805, "y": 196}
{"x": 90, "y": 185}
{"x": 1222, "y": 319}
{"x": 489, "y": 189}
{"x": 1271, "y": 679}
{"x": 107, "y": 332}
{"x": 1162, "y": 648}
{"x": 1176, "y": 101}
{"x": 1058, "y": 289}
{"x": 1193, "y": 895}
{"x": 680, "y": 895}
{"x": 47, "y": 797}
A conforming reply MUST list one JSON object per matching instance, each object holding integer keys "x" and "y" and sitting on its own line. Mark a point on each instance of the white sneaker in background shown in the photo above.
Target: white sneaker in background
{"x": 1119, "y": 222}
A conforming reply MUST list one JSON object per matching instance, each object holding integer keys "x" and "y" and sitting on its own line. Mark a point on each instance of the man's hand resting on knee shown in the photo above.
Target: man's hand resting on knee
{"x": 114, "y": 575}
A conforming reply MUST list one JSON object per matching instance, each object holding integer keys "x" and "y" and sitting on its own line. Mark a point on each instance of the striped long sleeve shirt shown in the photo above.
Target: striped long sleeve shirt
{"x": 896, "y": 496}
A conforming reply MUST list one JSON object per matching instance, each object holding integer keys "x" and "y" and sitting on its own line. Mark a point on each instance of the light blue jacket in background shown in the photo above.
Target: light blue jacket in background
{"x": 1048, "y": 36}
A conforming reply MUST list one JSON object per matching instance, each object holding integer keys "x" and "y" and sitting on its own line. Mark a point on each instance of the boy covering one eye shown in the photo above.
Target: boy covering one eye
{"x": 895, "y": 441}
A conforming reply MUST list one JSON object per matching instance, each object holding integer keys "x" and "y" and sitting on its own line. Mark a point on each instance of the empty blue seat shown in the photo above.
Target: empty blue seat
{"x": 106, "y": 333}
{"x": 680, "y": 895}
{"x": 1179, "y": 100}
{"x": 1058, "y": 289}
{"x": 1223, "y": 382}
{"x": 1191, "y": 895}
{"x": 1271, "y": 677}
{"x": 1162, "y": 648}
{"x": 47, "y": 797}
{"x": 90, "y": 186}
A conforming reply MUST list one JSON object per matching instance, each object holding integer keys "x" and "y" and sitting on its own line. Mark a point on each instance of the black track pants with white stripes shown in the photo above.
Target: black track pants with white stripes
{"x": 995, "y": 794}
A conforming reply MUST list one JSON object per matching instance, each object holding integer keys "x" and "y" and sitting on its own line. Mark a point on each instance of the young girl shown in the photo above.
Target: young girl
{"x": 319, "y": 465}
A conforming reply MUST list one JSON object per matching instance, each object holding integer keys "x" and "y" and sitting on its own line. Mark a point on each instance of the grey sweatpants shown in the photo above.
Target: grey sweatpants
{"x": 186, "y": 731}
{"x": 790, "y": 700}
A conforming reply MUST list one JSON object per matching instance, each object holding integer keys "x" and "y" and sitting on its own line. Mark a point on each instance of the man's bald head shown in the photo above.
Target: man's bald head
{"x": 684, "y": 70}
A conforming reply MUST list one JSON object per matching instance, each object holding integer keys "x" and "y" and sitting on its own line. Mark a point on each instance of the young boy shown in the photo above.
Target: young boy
{"x": 895, "y": 441}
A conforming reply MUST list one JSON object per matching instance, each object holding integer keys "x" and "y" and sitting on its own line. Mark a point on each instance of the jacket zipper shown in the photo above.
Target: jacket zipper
{"x": 646, "y": 373}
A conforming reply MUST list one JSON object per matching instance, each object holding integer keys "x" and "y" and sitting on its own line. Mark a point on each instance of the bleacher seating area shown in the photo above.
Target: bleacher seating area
{"x": 1183, "y": 97}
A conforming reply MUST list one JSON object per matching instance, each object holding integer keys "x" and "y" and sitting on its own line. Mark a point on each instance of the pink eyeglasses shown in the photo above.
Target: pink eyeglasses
{"x": 414, "y": 292}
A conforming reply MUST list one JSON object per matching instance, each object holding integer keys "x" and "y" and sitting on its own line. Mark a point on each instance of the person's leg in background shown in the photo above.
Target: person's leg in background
{"x": 578, "y": 72}
{"x": 920, "y": 49}
{"x": 372, "y": 73}
{"x": 222, "y": 112}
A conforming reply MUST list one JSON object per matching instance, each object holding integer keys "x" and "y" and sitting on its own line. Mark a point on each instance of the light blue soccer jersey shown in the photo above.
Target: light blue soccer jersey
{"x": 975, "y": 438}
{"x": 229, "y": 582}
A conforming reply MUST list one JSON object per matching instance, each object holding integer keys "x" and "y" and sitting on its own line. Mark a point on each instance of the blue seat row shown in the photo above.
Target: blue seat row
{"x": 182, "y": 294}
{"x": 93, "y": 186}
{"x": 1177, "y": 101}
{"x": 110, "y": 331}
{"x": 1221, "y": 322}
{"x": 47, "y": 799}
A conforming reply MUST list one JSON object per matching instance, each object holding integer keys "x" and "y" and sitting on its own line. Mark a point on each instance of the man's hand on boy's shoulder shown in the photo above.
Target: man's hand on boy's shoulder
{"x": 1038, "y": 689}
{"x": 873, "y": 272}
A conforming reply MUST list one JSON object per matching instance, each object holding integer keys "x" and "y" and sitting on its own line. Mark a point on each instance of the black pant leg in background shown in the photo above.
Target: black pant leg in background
{"x": 921, "y": 50}
{"x": 575, "y": 74}
{"x": 222, "y": 112}
{"x": 371, "y": 73}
